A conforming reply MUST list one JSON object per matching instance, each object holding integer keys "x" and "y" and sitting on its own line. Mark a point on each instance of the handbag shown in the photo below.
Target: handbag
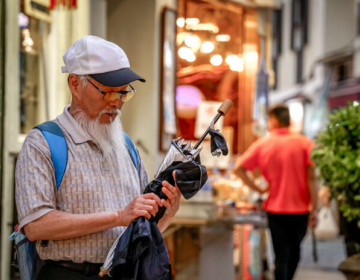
{"x": 327, "y": 227}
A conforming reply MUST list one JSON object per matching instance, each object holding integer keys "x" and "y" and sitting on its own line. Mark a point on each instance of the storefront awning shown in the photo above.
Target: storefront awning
{"x": 344, "y": 93}
{"x": 67, "y": 3}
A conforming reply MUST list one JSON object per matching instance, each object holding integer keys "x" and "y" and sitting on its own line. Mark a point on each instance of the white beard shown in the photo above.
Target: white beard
{"x": 108, "y": 137}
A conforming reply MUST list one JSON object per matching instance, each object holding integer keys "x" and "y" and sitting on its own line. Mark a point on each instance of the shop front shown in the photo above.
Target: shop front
{"x": 194, "y": 55}
{"x": 219, "y": 233}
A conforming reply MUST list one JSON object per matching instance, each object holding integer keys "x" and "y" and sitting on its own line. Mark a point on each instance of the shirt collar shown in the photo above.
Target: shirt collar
{"x": 283, "y": 130}
{"x": 77, "y": 134}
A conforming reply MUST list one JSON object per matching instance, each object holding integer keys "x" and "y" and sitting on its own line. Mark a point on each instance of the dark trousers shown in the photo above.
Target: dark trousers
{"x": 287, "y": 232}
{"x": 51, "y": 271}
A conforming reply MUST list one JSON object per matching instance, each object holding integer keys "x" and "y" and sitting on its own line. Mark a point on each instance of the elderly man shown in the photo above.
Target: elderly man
{"x": 101, "y": 190}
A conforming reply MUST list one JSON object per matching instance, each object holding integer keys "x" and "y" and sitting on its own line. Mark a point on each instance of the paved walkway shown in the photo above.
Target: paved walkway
{"x": 330, "y": 254}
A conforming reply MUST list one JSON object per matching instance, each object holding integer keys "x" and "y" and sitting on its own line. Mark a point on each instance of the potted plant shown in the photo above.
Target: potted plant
{"x": 337, "y": 160}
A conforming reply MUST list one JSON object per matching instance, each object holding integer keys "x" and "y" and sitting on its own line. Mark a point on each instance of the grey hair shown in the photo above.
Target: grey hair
{"x": 84, "y": 80}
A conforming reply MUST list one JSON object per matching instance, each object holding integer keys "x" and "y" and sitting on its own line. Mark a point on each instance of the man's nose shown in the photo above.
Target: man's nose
{"x": 115, "y": 102}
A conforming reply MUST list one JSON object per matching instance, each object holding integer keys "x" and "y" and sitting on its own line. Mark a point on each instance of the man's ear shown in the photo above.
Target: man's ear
{"x": 74, "y": 84}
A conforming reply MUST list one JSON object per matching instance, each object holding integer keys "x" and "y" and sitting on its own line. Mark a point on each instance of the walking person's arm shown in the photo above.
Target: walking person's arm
{"x": 241, "y": 172}
{"x": 313, "y": 189}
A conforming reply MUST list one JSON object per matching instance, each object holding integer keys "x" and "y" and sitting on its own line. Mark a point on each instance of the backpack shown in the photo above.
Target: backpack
{"x": 26, "y": 258}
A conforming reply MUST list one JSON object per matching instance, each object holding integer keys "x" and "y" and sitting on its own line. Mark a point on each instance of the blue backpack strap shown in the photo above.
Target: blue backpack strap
{"x": 58, "y": 148}
{"x": 132, "y": 150}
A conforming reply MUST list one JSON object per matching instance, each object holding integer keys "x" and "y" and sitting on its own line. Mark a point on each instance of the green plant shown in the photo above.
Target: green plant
{"x": 337, "y": 159}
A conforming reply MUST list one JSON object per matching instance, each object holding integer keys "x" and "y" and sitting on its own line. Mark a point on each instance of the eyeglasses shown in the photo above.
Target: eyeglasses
{"x": 123, "y": 95}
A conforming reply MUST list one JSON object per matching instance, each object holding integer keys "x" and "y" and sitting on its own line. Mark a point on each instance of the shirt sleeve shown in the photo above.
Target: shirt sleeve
{"x": 35, "y": 187}
{"x": 250, "y": 158}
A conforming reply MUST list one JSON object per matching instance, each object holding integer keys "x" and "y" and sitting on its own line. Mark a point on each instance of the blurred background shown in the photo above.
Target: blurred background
{"x": 194, "y": 54}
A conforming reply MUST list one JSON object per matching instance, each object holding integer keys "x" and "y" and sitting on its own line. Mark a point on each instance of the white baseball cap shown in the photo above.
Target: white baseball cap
{"x": 104, "y": 61}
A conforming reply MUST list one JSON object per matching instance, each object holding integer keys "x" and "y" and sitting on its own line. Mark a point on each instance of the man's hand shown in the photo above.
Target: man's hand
{"x": 172, "y": 204}
{"x": 313, "y": 220}
{"x": 173, "y": 194}
{"x": 145, "y": 205}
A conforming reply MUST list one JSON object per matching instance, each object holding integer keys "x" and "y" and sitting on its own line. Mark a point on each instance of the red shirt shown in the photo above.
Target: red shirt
{"x": 283, "y": 158}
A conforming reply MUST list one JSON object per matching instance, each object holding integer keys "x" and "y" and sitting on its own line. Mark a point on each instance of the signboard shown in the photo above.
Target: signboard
{"x": 38, "y": 9}
{"x": 207, "y": 110}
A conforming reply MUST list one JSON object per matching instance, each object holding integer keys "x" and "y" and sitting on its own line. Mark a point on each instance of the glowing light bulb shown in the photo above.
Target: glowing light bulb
{"x": 251, "y": 56}
{"x": 191, "y": 57}
{"x": 186, "y": 54}
{"x": 207, "y": 47}
{"x": 235, "y": 62}
{"x": 231, "y": 59}
{"x": 222, "y": 38}
{"x": 180, "y": 37}
{"x": 183, "y": 52}
{"x": 193, "y": 41}
{"x": 216, "y": 60}
{"x": 192, "y": 21}
{"x": 180, "y": 22}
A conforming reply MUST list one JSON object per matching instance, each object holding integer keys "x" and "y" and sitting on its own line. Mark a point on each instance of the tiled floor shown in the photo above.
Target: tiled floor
{"x": 330, "y": 254}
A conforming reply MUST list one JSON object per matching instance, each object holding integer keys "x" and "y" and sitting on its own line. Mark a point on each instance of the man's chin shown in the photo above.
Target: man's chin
{"x": 106, "y": 118}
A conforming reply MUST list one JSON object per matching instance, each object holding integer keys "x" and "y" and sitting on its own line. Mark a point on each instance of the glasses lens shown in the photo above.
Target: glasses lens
{"x": 111, "y": 96}
{"x": 126, "y": 97}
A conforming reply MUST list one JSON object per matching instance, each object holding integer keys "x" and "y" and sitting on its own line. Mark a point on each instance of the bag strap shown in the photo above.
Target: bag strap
{"x": 132, "y": 150}
{"x": 58, "y": 148}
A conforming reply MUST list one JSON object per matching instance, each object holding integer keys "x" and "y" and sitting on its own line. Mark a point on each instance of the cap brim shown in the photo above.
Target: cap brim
{"x": 117, "y": 78}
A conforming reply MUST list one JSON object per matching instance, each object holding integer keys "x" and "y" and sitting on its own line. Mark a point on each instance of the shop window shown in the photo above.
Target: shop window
{"x": 344, "y": 87}
{"x": 29, "y": 70}
{"x": 343, "y": 70}
{"x": 217, "y": 48}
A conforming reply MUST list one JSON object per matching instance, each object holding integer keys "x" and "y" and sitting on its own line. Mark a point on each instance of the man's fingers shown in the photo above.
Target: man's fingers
{"x": 151, "y": 196}
{"x": 145, "y": 213}
{"x": 165, "y": 203}
{"x": 146, "y": 205}
{"x": 169, "y": 192}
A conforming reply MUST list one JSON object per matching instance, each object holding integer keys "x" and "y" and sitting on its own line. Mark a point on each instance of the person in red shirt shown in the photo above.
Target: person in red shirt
{"x": 283, "y": 159}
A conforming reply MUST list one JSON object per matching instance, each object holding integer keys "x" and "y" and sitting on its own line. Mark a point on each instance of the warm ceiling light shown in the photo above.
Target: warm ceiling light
{"x": 231, "y": 59}
{"x": 207, "y": 47}
{"x": 193, "y": 41}
{"x": 216, "y": 60}
{"x": 180, "y": 22}
{"x": 235, "y": 62}
{"x": 239, "y": 67}
{"x": 183, "y": 52}
{"x": 191, "y": 57}
{"x": 192, "y": 21}
{"x": 180, "y": 37}
{"x": 204, "y": 27}
{"x": 250, "y": 56}
{"x": 222, "y": 38}
{"x": 186, "y": 54}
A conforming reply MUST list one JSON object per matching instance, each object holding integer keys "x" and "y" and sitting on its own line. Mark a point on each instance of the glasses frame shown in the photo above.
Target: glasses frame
{"x": 123, "y": 93}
